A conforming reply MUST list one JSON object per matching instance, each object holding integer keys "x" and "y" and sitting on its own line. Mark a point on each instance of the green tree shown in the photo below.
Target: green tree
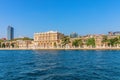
{"x": 80, "y": 42}
{"x": 90, "y": 42}
{"x": 77, "y": 42}
{"x": 1, "y": 42}
{"x": 55, "y": 45}
{"x": 118, "y": 42}
{"x": 105, "y": 40}
{"x": 25, "y": 38}
{"x": 65, "y": 40}
{"x": 114, "y": 41}
{"x": 3, "y": 45}
{"x": 12, "y": 44}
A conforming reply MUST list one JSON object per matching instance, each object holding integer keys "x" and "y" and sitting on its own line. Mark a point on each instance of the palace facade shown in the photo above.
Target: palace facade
{"x": 48, "y": 39}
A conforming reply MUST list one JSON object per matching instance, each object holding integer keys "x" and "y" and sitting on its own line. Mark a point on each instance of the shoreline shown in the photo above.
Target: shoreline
{"x": 60, "y": 49}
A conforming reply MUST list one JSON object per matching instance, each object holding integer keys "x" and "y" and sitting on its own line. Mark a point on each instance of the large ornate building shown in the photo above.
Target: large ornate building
{"x": 47, "y": 39}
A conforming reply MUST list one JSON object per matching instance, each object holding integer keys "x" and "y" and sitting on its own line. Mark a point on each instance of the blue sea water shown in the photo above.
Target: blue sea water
{"x": 60, "y": 65}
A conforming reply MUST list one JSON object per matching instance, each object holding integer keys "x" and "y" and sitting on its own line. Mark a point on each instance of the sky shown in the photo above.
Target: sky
{"x": 65, "y": 16}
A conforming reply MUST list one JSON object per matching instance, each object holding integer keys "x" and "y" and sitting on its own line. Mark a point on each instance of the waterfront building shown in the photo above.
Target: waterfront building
{"x": 8, "y": 44}
{"x": 3, "y": 39}
{"x": 48, "y": 39}
{"x": 10, "y": 33}
{"x": 24, "y": 43}
{"x": 110, "y": 33}
{"x": 98, "y": 41}
{"x": 116, "y": 33}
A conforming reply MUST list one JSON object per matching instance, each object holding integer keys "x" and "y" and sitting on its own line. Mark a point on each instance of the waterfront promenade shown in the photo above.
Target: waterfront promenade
{"x": 113, "y": 48}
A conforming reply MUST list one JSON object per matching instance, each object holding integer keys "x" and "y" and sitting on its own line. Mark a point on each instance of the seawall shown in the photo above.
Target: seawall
{"x": 60, "y": 49}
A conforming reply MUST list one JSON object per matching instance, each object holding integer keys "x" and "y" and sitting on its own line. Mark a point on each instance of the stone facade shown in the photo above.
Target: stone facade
{"x": 24, "y": 43}
{"x": 49, "y": 39}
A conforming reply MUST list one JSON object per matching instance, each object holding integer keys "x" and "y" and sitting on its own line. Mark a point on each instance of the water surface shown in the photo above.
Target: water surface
{"x": 60, "y": 65}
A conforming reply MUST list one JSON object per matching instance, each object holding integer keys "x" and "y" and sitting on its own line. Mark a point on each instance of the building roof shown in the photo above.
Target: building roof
{"x": 47, "y": 32}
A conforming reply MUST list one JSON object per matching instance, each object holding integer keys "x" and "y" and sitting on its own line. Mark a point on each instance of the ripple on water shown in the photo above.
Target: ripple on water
{"x": 62, "y": 65}
{"x": 62, "y": 77}
{"x": 35, "y": 73}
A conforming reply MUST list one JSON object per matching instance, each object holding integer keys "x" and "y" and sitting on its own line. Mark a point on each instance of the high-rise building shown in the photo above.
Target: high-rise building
{"x": 10, "y": 33}
{"x": 73, "y": 35}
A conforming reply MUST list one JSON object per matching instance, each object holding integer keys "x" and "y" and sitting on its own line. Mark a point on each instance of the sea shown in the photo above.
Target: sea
{"x": 59, "y": 64}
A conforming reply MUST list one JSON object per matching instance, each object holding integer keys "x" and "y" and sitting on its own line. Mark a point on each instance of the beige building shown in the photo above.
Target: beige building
{"x": 47, "y": 39}
{"x": 24, "y": 43}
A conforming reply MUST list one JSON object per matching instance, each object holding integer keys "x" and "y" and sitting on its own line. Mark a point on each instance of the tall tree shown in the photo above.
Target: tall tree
{"x": 3, "y": 45}
{"x": 90, "y": 42}
{"x": 1, "y": 42}
{"x": 12, "y": 44}
{"x": 105, "y": 40}
{"x": 65, "y": 41}
{"x": 114, "y": 42}
{"x": 55, "y": 45}
{"x": 77, "y": 42}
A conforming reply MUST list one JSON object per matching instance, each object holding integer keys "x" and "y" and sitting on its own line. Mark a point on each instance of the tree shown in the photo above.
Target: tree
{"x": 12, "y": 44}
{"x": 7, "y": 44}
{"x": 1, "y": 42}
{"x": 90, "y": 42}
{"x": 114, "y": 41}
{"x": 105, "y": 40}
{"x": 55, "y": 45}
{"x": 77, "y": 42}
{"x": 65, "y": 40}
{"x": 80, "y": 42}
{"x": 25, "y": 38}
{"x": 3, "y": 45}
{"x": 118, "y": 42}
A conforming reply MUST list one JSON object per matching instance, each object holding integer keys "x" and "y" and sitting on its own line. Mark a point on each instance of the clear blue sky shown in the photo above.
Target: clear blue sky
{"x": 66, "y": 16}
